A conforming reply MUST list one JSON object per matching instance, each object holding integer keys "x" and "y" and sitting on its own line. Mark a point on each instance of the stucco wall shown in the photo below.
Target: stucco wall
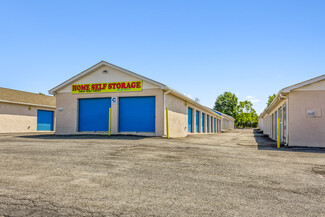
{"x": 15, "y": 118}
{"x": 178, "y": 117}
{"x": 268, "y": 121}
{"x": 67, "y": 118}
{"x": 227, "y": 124}
{"x": 305, "y": 131}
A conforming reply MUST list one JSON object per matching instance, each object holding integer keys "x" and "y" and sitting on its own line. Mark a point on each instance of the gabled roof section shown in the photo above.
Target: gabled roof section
{"x": 27, "y": 98}
{"x": 302, "y": 84}
{"x": 285, "y": 91}
{"x": 218, "y": 113}
{"x": 98, "y": 65}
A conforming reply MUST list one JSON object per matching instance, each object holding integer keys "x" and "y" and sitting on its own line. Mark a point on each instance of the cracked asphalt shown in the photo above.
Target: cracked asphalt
{"x": 228, "y": 174}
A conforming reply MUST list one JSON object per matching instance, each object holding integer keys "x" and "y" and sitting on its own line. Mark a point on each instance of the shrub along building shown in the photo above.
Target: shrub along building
{"x": 106, "y": 98}
{"x": 25, "y": 112}
{"x": 300, "y": 109}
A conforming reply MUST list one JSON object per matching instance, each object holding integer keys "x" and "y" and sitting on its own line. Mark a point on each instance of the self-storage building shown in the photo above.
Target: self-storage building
{"x": 299, "y": 109}
{"x": 22, "y": 112}
{"x": 109, "y": 99}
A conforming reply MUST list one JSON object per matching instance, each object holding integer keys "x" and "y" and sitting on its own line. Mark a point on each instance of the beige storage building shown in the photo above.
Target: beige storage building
{"x": 300, "y": 108}
{"x": 107, "y": 95}
{"x": 22, "y": 112}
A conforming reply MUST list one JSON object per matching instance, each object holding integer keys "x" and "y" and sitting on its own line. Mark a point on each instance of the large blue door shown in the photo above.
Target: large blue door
{"x": 190, "y": 119}
{"x": 197, "y": 121}
{"x": 137, "y": 114}
{"x": 93, "y": 114}
{"x": 44, "y": 120}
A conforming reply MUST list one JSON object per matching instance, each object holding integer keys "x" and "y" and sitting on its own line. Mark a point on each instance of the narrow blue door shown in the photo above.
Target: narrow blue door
{"x": 190, "y": 119}
{"x": 217, "y": 125}
{"x": 214, "y": 125}
{"x": 202, "y": 122}
{"x": 93, "y": 114}
{"x": 137, "y": 114}
{"x": 44, "y": 120}
{"x": 208, "y": 117}
{"x": 211, "y": 124}
{"x": 197, "y": 121}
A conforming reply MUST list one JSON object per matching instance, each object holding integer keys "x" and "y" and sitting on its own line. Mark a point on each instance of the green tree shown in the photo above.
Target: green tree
{"x": 227, "y": 104}
{"x": 246, "y": 115}
{"x": 271, "y": 98}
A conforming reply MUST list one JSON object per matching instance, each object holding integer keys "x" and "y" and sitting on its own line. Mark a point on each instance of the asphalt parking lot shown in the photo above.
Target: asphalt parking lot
{"x": 228, "y": 174}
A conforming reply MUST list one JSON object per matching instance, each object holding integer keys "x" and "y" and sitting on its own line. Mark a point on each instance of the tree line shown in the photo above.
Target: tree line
{"x": 243, "y": 112}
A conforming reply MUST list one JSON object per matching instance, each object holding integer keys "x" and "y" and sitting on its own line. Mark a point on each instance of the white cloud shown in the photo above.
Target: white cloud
{"x": 253, "y": 99}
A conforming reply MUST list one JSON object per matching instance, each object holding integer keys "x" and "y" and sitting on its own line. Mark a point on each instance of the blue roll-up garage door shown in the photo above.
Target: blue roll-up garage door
{"x": 93, "y": 114}
{"x": 44, "y": 120}
{"x": 208, "y": 117}
{"x": 190, "y": 119}
{"x": 202, "y": 122}
{"x": 197, "y": 121}
{"x": 137, "y": 114}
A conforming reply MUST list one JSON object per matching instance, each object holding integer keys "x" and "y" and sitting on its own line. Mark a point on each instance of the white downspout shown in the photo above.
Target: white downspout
{"x": 287, "y": 118}
{"x": 165, "y": 93}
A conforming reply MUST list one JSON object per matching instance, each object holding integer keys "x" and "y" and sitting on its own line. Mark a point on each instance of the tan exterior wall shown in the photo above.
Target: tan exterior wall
{"x": 227, "y": 124}
{"x": 268, "y": 121}
{"x": 178, "y": 117}
{"x": 67, "y": 111}
{"x": 260, "y": 123}
{"x": 16, "y": 118}
{"x": 306, "y": 131}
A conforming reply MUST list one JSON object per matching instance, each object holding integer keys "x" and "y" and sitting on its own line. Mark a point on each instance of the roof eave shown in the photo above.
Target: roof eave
{"x": 100, "y": 64}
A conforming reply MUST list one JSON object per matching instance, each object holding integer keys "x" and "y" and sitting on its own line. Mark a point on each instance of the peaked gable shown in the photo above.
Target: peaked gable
{"x": 105, "y": 74}
{"x": 303, "y": 84}
{"x": 97, "y": 74}
{"x": 320, "y": 85}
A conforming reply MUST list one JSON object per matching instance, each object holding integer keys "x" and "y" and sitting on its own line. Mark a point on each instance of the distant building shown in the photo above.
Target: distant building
{"x": 300, "y": 108}
{"x": 22, "y": 112}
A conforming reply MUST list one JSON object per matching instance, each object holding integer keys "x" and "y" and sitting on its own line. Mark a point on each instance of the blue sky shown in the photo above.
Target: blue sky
{"x": 200, "y": 48}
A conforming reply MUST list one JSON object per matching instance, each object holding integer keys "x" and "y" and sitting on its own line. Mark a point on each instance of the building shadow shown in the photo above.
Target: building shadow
{"x": 83, "y": 137}
{"x": 265, "y": 143}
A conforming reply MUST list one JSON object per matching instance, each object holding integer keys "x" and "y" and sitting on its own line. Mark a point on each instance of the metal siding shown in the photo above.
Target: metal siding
{"x": 44, "y": 120}
{"x": 93, "y": 114}
{"x": 190, "y": 118}
{"x": 197, "y": 121}
{"x": 137, "y": 114}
